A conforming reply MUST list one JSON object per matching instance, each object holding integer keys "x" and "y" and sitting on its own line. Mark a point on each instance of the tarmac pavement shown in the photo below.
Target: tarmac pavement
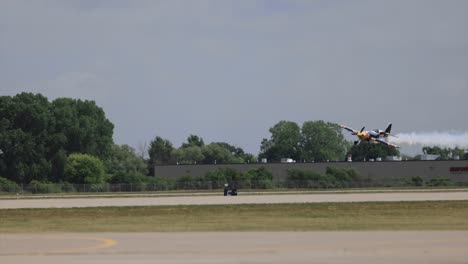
{"x": 224, "y": 247}
{"x": 236, "y": 247}
{"x": 241, "y": 199}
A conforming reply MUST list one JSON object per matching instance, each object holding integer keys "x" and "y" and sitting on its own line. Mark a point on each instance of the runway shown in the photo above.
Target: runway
{"x": 241, "y": 199}
{"x": 279, "y": 247}
{"x": 236, "y": 247}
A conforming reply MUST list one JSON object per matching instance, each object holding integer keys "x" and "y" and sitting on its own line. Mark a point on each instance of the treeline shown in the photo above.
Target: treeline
{"x": 194, "y": 151}
{"x": 261, "y": 178}
{"x": 314, "y": 141}
{"x": 37, "y": 136}
{"x": 70, "y": 141}
{"x": 444, "y": 153}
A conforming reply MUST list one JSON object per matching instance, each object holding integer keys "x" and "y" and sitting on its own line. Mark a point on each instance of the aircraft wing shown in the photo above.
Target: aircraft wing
{"x": 354, "y": 132}
{"x": 386, "y": 143}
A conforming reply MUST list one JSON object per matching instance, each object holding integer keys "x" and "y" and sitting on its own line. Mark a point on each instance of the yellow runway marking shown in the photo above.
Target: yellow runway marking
{"x": 105, "y": 243}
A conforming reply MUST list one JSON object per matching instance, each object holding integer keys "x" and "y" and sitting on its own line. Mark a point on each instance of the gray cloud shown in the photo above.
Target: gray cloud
{"x": 229, "y": 70}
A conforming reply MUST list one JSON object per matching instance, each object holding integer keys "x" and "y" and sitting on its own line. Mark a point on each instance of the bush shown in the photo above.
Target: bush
{"x": 440, "y": 182}
{"x": 303, "y": 179}
{"x": 415, "y": 181}
{"x": 129, "y": 182}
{"x": 233, "y": 177}
{"x": 43, "y": 187}
{"x": 130, "y": 178}
{"x": 83, "y": 168}
{"x": 98, "y": 187}
{"x": 216, "y": 178}
{"x": 67, "y": 187}
{"x": 333, "y": 178}
{"x": 260, "y": 178}
{"x": 160, "y": 184}
{"x": 8, "y": 186}
{"x": 342, "y": 177}
{"x": 191, "y": 183}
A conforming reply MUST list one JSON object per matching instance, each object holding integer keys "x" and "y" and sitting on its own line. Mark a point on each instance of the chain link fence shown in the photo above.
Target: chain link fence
{"x": 187, "y": 185}
{"x": 81, "y": 188}
{"x": 303, "y": 180}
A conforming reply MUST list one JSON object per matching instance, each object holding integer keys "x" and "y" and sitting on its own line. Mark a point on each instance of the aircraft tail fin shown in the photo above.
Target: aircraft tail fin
{"x": 387, "y": 131}
{"x": 389, "y": 128}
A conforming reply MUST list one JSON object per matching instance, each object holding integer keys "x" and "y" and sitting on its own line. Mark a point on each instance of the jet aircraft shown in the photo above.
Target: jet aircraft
{"x": 375, "y": 135}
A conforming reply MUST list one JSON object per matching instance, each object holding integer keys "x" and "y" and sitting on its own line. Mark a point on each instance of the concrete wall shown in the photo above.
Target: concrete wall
{"x": 455, "y": 170}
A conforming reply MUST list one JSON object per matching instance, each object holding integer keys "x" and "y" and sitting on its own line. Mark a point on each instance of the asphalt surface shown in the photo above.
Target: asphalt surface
{"x": 241, "y": 247}
{"x": 241, "y": 199}
{"x": 220, "y": 247}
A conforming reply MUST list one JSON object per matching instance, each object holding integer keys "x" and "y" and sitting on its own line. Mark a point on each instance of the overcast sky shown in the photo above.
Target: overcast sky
{"x": 230, "y": 70}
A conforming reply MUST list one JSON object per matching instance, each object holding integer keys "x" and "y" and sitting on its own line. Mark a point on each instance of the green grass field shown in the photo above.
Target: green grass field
{"x": 443, "y": 215}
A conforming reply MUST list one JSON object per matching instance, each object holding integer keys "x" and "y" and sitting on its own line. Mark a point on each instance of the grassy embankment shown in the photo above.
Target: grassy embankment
{"x": 443, "y": 215}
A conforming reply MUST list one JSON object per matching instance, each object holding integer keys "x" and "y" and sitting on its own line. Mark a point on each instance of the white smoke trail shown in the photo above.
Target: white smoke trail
{"x": 440, "y": 139}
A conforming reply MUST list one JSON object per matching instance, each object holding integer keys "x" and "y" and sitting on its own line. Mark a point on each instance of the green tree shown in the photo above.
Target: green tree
{"x": 444, "y": 153}
{"x": 25, "y": 120}
{"x": 240, "y": 156}
{"x": 283, "y": 143}
{"x": 188, "y": 155}
{"x": 249, "y": 158}
{"x": 192, "y": 141}
{"x": 36, "y": 135}
{"x": 216, "y": 153}
{"x": 458, "y": 152}
{"x": 124, "y": 160}
{"x": 85, "y": 126}
{"x": 84, "y": 169}
{"x": 235, "y": 151}
{"x": 160, "y": 151}
{"x": 322, "y": 141}
{"x": 366, "y": 151}
{"x": 58, "y": 162}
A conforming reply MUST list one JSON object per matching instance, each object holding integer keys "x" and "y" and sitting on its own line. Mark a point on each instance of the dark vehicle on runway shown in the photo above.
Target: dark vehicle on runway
{"x": 230, "y": 190}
